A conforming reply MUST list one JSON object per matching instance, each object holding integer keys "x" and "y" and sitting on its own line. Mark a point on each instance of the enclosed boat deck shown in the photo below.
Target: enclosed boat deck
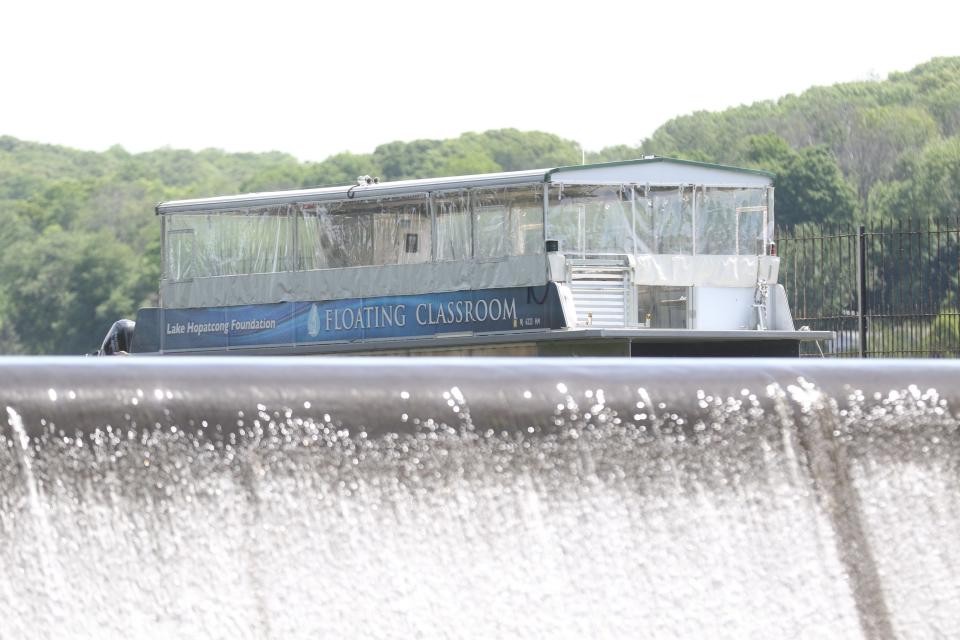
{"x": 645, "y": 257}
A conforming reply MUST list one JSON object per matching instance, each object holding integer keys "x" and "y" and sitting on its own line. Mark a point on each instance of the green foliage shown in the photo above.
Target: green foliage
{"x": 931, "y": 188}
{"x": 342, "y": 168}
{"x": 63, "y": 288}
{"x": 614, "y": 154}
{"x": 81, "y": 242}
{"x": 882, "y": 137}
{"x": 514, "y": 150}
{"x": 944, "y": 334}
{"x": 769, "y": 151}
{"x": 875, "y": 130}
{"x": 811, "y": 188}
{"x": 501, "y": 150}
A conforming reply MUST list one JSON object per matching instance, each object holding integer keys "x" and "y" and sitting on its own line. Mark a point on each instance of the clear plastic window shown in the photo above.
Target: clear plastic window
{"x": 671, "y": 218}
{"x": 229, "y": 242}
{"x": 180, "y": 248}
{"x": 452, "y": 215}
{"x": 529, "y": 228}
{"x": 732, "y": 221}
{"x": 483, "y": 223}
{"x": 565, "y": 220}
{"x": 491, "y": 223}
{"x": 356, "y": 233}
{"x": 592, "y": 219}
{"x": 643, "y": 231}
{"x": 401, "y": 231}
{"x": 716, "y": 222}
{"x": 751, "y": 211}
{"x": 312, "y": 217}
{"x": 507, "y": 222}
{"x": 335, "y": 235}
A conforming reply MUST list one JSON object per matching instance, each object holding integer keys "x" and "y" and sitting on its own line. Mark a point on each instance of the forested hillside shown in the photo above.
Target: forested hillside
{"x": 843, "y": 153}
{"x": 81, "y": 243}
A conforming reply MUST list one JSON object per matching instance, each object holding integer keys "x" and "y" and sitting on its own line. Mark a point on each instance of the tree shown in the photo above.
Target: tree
{"x": 514, "y": 150}
{"x": 769, "y": 151}
{"x": 342, "y": 168}
{"x": 880, "y": 138}
{"x": 66, "y": 289}
{"x": 812, "y": 189}
{"x": 274, "y": 179}
{"x": 614, "y": 154}
{"x": 931, "y": 188}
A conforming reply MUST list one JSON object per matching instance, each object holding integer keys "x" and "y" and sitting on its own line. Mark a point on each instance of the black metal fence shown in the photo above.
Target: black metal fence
{"x": 886, "y": 290}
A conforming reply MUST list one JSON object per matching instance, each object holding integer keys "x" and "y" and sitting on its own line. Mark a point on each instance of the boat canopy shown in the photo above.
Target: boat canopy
{"x": 680, "y": 222}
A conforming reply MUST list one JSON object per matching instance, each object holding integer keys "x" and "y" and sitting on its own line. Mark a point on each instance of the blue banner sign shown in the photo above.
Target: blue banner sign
{"x": 357, "y": 319}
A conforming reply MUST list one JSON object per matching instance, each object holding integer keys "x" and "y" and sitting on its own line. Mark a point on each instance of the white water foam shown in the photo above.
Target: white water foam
{"x": 728, "y": 529}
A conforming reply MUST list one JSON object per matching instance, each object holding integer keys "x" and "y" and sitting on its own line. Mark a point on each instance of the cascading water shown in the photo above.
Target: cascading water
{"x": 253, "y": 498}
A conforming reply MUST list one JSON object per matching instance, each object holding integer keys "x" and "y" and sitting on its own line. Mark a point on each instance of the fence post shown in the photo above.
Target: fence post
{"x": 862, "y": 289}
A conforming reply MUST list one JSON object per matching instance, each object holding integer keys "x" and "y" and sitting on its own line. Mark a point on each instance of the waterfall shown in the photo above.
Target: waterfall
{"x": 436, "y": 498}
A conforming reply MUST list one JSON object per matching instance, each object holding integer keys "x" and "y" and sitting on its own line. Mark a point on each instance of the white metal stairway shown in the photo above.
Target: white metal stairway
{"x": 600, "y": 290}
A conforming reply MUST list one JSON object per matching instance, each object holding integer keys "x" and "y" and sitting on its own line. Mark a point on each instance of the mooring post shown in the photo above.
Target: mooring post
{"x": 862, "y": 289}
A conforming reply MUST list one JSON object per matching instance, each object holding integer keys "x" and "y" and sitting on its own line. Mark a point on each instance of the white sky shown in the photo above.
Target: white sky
{"x": 316, "y": 78}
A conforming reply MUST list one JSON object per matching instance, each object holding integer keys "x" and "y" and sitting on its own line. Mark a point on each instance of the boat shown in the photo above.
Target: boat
{"x": 648, "y": 257}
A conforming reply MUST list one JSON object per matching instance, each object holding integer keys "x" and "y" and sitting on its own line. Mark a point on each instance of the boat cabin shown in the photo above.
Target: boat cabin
{"x": 644, "y": 257}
